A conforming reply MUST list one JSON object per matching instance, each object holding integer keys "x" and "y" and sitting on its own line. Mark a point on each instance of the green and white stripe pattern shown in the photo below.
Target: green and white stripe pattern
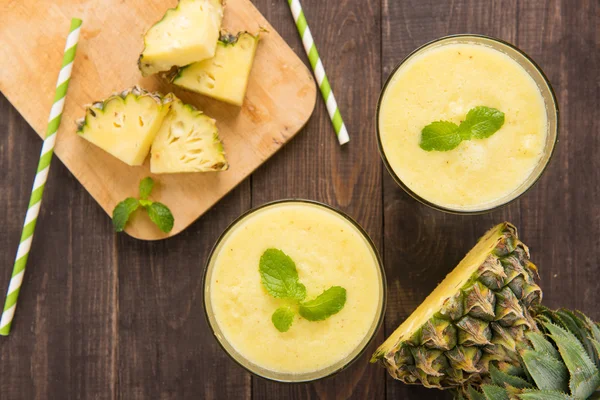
{"x": 319, "y": 71}
{"x": 40, "y": 178}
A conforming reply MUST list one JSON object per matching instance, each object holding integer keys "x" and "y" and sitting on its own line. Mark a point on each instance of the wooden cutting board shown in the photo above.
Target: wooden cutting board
{"x": 280, "y": 98}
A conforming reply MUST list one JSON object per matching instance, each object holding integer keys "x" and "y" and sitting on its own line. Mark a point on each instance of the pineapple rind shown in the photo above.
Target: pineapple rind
{"x": 488, "y": 318}
{"x": 225, "y": 76}
{"x": 188, "y": 141}
{"x": 125, "y": 134}
{"x": 194, "y": 41}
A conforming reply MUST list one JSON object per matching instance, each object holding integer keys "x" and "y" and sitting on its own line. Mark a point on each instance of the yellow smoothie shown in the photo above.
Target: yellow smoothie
{"x": 328, "y": 250}
{"x": 443, "y": 83}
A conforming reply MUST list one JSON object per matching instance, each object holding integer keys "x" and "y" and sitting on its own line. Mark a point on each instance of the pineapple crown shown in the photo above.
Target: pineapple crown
{"x": 563, "y": 362}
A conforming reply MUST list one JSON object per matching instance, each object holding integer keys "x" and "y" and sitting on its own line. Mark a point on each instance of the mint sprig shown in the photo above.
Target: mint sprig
{"x": 324, "y": 305}
{"x": 279, "y": 277}
{"x": 158, "y": 212}
{"x": 480, "y": 123}
{"x": 282, "y": 318}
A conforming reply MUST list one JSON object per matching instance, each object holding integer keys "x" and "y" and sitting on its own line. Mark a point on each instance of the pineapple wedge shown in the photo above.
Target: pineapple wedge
{"x": 188, "y": 141}
{"x": 186, "y": 34}
{"x": 225, "y": 76}
{"x": 125, "y": 124}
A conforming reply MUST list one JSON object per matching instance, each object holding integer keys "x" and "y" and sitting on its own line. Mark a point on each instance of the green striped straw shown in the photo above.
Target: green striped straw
{"x": 40, "y": 178}
{"x": 319, "y": 71}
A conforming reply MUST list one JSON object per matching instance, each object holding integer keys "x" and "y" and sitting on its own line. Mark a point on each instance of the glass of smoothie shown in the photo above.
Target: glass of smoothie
{"x": 329, "y": 249}
{"x": 445, "y": 80}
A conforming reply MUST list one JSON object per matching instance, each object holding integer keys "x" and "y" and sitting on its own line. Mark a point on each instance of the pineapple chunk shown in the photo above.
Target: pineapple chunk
{"x": 125, "y": 124}
{"x": 225, "y": 76}
{"x": 188, "y": 141}
{"x": 187, "y": 33}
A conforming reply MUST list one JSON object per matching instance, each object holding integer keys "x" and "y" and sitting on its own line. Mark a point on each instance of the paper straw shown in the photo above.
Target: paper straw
{"x": 40, "y": 178}
{"x": 319, "y": 71}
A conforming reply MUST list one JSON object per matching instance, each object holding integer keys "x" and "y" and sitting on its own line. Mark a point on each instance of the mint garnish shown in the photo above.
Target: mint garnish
{"x": 481, "y": 122}
{"x": 324, "y": 305}
{"x": 146, "y": 186}
{"x": 122, "y": 212}
{"x": 158, "y": 212}
{"x": 279, "y": 277}
{"x": 161, "y": 216}
{"x": 440, "y": 136}
{"x": 282, "y": 318}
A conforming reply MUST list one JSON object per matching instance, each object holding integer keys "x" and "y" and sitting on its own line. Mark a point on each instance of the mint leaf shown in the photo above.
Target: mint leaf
{"x": 481, "y": 122}
{"x": 146, "y": 186}
{"x": 440, "y": 136}
{"x": 161, "y": 216}
{"x": 279, "y": 276}
{"x": 122, "y": 212}
{"x": 325, "y": 305}
{"x": 282, "y": 318}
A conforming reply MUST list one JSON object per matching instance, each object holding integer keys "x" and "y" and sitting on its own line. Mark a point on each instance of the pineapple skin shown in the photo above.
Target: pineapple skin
{"x": 485, "y": 320}
{"x": 225, "y": 76}
{"x": 170, "y": 51}
{"x": 133, "y": 145}
{"x": 188, "y": 141}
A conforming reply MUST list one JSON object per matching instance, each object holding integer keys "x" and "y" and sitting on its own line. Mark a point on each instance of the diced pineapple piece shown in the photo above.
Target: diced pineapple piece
{"x": 125, "y": 124}
{"x": 225, "y": 76}
{"x": 188, "y": 141}
{"x": 186, "y": 34}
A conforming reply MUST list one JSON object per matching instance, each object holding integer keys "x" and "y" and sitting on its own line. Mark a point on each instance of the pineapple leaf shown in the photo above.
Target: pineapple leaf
{"x": 540, "y": 343}
{"x": 585, "y": 377}
{"x": 493, "y": 392}
{"x": 547, "y": 372}
{"x": 474, "y": 394}
{"x": 502, "y": 379}
{"x": 596, "y": 346}
{"x": 543, "y": 395}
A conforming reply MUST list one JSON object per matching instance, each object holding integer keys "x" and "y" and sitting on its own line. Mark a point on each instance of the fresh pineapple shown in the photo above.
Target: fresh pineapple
{"x": 186, "y": 34}
{"x": 225, "y": 76}
{"x": 125, "y": 124}
{"x": 188, "y": 141}
{"x": 481, "y": 332}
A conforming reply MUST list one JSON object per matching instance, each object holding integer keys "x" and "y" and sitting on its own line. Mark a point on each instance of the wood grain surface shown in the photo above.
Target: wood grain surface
{"x": 105, "y": 316}
{"x": 279, "y": 101}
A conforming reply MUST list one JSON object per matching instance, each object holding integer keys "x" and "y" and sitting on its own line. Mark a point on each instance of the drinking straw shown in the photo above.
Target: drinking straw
{"x": 319, "y": 71}
{"x": 40, "y": 178}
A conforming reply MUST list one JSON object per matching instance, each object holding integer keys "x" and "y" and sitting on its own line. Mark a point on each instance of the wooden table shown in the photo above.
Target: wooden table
{"x": 105, "y": 316}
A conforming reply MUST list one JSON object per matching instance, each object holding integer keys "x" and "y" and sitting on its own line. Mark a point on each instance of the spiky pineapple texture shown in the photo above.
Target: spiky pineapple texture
{"x": 482, "y": 321}
{"x": 492, "y": 340}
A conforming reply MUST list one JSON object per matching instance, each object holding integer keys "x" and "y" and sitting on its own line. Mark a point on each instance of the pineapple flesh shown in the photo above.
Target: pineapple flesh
{"x": 186, "y": 34}
{"x": 225, "y": 76}
{"x": 188, "y": 141}
{"x": 125, "y": 124}
{"x": 480, "y": 313}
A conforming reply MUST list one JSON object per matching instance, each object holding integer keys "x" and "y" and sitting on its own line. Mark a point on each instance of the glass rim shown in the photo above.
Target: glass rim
{"x": 379, "y": 320}
{"x": 439, "y": 207}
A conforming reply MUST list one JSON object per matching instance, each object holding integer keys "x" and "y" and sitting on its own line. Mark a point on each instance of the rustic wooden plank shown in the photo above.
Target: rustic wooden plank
{"x": 561, "y": 217}
{"x": 422, "y": 245}
{"x": 62, "y": 338}
{"x": 166, "y": 350}
{"x": 314, "y": 166}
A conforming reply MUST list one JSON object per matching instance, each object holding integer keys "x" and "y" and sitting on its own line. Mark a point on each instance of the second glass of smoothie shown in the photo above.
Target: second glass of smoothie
{"x": 329, "y": 249}
{"x": 444, "y": 80}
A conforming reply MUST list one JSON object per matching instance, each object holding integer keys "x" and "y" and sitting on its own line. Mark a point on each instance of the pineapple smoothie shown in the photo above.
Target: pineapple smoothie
{"x": 329, "y": 251}
{"x": 444, "y": 82}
